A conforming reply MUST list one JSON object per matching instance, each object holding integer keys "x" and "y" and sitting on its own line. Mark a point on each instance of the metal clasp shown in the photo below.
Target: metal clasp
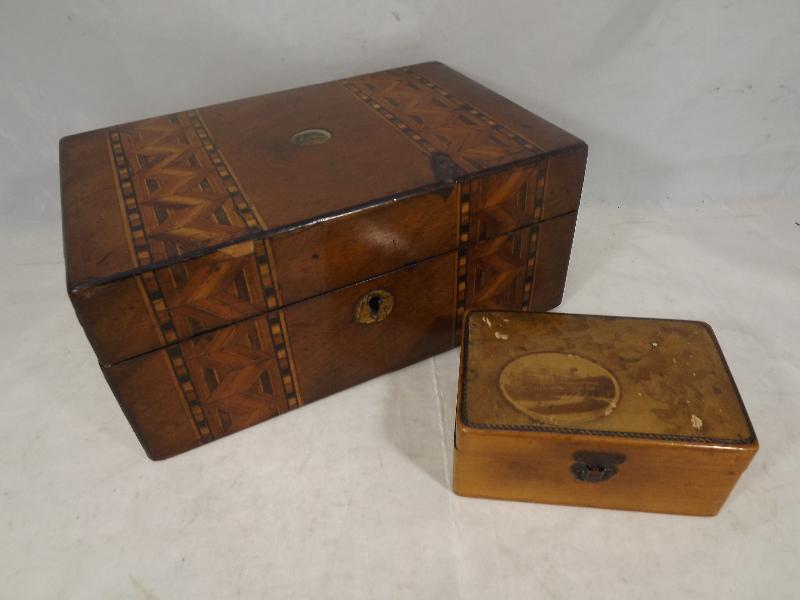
{"x": 594, "y": 467}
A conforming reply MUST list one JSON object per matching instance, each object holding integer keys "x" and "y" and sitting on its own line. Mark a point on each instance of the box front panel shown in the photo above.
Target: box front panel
{"x": 204, "y": 388}
{"x": 520, "y": 269}
{"x": 143, "y": 312}
{"x": 338, "y": 252}
{"x": 279, "y": 337}
{"x": 220, "y": 382}
{"x": 215, "y": 383}
{"x": 641, "y": 475}
{"x": 344, "y": 338}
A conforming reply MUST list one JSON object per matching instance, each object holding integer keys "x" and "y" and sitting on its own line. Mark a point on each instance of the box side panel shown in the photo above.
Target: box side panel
{"x": 525, "y": 269}
{"x": 499, "y": 271}
{"x": 552, "y": 261}
{"x": 653, "y": 476}
{"x": 565, "y": 174}
{"x": 226, "y": 380}
{"x": 512, "y": 198}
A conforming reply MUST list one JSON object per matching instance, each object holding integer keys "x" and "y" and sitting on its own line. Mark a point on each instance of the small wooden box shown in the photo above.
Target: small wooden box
{"x": 234, "y": 262}
{"x": 635, "y": 414}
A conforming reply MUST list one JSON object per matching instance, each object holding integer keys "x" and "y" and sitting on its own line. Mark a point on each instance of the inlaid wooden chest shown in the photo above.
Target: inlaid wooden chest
{"x": 637, "y": 414}
{"x": 237, "y": 261}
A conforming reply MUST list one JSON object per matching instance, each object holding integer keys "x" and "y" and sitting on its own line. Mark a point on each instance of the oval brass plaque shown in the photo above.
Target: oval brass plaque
{"x": 558, "y": 388}
{"x": 311, "y": 137}
{"x": 374, "y": 307}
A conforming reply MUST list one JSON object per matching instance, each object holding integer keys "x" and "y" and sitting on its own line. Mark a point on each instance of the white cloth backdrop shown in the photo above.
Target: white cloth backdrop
{"x": 691, "y": 209}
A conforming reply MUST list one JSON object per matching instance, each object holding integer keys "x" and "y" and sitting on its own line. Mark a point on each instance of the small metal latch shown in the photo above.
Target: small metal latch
{"x": 594, "y": 467}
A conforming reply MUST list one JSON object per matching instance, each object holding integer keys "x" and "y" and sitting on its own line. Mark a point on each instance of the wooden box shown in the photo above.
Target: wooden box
{"x": 234, "y": 262}
{"x": 636, "y": 414}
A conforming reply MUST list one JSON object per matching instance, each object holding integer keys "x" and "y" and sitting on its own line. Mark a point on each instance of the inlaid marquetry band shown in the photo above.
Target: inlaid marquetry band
{"x": 541, "y": 184}
{"x": 246, "y": 210}
{"x": 277, "y": 325}
{"x": 129, "y": 203}
{"x": 530, "y": 269}
{"x": 176, "y": 191}
{"x": 482, "y": 139}
{"x": 461, "y": 266}
{"x": 438, "y": 122}
{"x": 480, "y": 115}
{"x": 159, "y": 308}
{"x": 189, "y": 393}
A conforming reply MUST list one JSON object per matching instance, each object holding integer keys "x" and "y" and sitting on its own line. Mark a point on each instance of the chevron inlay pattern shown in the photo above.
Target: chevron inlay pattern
{"x": 179, "y": 195}
{"x": 502, "y": 201}
{"x": 211, "y": 290}
{"x": 235, "y": 374}
{"x": 530, "y": 268}
{"x": 438, "y": 121}
{"x": 177, "y": 192}
{"x": 461, "y": 266}
{"x": 498, "y": 269}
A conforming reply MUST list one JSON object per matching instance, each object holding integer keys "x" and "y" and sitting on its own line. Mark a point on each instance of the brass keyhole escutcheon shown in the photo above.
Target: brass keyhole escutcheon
{"x": 374, "y": 307}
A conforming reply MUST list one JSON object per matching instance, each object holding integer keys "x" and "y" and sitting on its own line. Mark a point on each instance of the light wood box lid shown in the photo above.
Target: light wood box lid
{"x": 599, "y": 375}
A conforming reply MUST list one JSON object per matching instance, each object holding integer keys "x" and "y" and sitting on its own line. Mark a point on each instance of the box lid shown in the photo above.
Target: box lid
{"x": 152, "y": 193}
{"x": 597, "y": 375}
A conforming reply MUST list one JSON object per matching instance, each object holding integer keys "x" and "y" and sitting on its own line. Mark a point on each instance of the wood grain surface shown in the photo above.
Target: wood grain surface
{"x": 537, "y": 390}
{"x": 223, "y": 249}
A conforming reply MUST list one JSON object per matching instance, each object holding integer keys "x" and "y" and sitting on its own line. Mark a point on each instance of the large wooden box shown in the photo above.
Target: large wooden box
{"x": 234, "y": 262}
{"x": 636, "y": 414}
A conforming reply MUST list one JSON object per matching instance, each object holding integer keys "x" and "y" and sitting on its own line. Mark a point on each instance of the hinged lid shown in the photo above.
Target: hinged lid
{"x": 594, "y": 375}
{"x": 156, "y": 192}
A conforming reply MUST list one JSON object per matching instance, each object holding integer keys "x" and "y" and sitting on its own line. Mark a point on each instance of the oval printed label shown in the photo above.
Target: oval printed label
{"x": 558, "y": 388}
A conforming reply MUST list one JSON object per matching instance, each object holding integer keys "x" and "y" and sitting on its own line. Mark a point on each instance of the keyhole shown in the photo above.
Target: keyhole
{"x": 374, "y": 306}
